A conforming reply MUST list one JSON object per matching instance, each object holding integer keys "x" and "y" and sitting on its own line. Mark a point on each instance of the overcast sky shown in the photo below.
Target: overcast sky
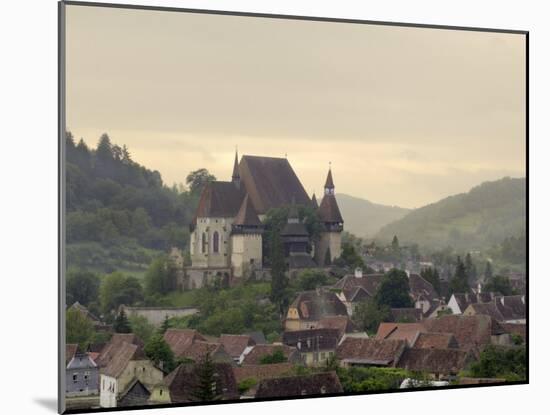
{"x": 407, "y": 116}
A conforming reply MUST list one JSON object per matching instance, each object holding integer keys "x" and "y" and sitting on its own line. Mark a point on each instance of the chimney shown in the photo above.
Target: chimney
{"x": 358, "y": 273}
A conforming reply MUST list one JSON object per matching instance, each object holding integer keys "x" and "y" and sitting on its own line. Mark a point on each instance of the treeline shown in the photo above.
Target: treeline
{"x": 111, "y": 198}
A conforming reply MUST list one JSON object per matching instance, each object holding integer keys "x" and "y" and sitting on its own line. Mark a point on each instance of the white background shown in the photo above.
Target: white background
{"x": 28, "y": 227}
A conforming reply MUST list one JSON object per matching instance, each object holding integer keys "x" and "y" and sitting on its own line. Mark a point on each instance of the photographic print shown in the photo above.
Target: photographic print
{"x": 263, "y": 207}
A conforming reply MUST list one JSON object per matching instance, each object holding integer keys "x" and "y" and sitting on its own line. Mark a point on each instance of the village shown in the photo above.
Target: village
{"x": 357, "y": 324}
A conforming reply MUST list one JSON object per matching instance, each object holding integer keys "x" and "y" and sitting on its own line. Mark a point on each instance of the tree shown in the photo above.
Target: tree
{"x": 470, "y": 268}
{"x": 277, "y": 356}
{"x": 432, "y": 276}
{"x": 121, "y": 324}
{"x": 395, "y": 244}
{"x": 349, "y": 257}
{"x": 495, "y": 362}
{"x": 196, "y": 180}
{"x": 488, "y": 274}
{"x": 161, "y": 277}
{"x": 207, "y": 386}
{"x": 82, "y": 286}
{"x": 141, "y": 327}
{"x": 165, "y": 325}
{"x": 117, "y": 289}
{"x": 499, "y": 284}
{"x": 78, "y": 329}
{"x": 368, "y": 315}
{"x": 310, "y": 279}
{"x": 394, "y": 290}
{"x": 279, "y": 279}
{"x": 459, "y": 282}
{"x": 158, "y": 351}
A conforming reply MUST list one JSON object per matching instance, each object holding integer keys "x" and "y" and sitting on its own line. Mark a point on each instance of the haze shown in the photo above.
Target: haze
{"x": 407, "y": 116}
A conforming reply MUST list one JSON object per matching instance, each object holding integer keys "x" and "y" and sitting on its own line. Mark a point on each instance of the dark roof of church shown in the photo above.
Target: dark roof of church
{"x": 271, "y": 182}
{"x": 328, "y": 211}
{"x": 235, "y": 174}
{"x": 247, "y": 214}
{"x": 314, "y": 202}
{"x": 220, "y": 199}
{"x": 329, "y": 183}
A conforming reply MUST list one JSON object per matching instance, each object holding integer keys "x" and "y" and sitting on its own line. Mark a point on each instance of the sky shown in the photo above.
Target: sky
{"x": 405, "y": 116}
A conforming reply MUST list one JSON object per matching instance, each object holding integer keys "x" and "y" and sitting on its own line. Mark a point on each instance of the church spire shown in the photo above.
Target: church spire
{"x": 235, "y": 177}
{"x": 329, "y": 184}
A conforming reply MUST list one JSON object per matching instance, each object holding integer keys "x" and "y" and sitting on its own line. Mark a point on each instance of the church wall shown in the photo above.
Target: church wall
{"x": 328, "y": 240}
{"x": 208, "y": 227}
{"x": 246, "y": 247}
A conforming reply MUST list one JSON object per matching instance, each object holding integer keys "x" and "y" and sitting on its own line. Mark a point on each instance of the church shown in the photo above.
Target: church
{"x": 227, "y": 230}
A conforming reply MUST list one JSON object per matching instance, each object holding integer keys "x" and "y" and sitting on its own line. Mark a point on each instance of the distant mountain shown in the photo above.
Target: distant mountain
{"x": 484, "y": 216}
{"x": 364, "y": 218}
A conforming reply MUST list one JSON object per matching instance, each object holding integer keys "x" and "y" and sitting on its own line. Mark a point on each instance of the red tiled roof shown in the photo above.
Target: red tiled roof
{"x": 371, "y": 351}
{"x": 439, "y": 361}
{"x": 254, "y": 357}
{"x": 400, "y": 331}
{"x": 314, "y": 305}
{"x": 261, "y": 372}
{"x": 316, "y": 384}
{"x": 180, "y": 340}
{"x": 435, "y": 341}
{"x": 235, "y": 344}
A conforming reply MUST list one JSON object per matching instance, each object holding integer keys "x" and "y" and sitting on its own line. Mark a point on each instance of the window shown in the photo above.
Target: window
{"x": 160, "y": 392}
{"x": 203, "y": 241}
{"x": 75, "y": 377}
{"x": 216, "y": 242}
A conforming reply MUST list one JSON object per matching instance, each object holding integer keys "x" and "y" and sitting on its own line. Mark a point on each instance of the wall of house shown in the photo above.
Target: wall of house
{"x": 143, "y": 370}
{"x": 246, "y": 253}
{"x": 453, "y": 305}
{"x": 332, "y": 240}
{"x": 108, "y": 389}
{"x": 82, "y": 382}
{"x": 160, "y": 394}
{"x": 209, "y": 258}
{"x": 156, "y": 315}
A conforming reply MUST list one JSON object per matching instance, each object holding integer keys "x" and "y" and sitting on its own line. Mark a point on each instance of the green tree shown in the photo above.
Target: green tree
{"x": 488, "y": 274}
{"x": 78, "y": 329}
{"x": 158, "y": 351}
{"x": 499, "y": 284}
{"x": 279, "y": 279}
{"x": 368, "y": 315}
{"x": 277, "y": 356}
{"x": 117, "y": 289}
{"x": 470, "y": 268}
{"x": 394, "y": 290}
{"x": 165, "y": 325}
{"x": 349, "y": 257}
{"x": 161, "y": 277}
{"x": 459, "y": 282}
{"x": 141, "y": 327}
{"x": 196, "y": 180}
{"x": 310, "y": 279}
{"x": 432, "y": 276}
{"x": 498, "y": 362}
{"x": 207, "y": 387}
{"x": 395, "y": 244}
{"x": 82, "y": 286}
{"x": 121, "y": 323}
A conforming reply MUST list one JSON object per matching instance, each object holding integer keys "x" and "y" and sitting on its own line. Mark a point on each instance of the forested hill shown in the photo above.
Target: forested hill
{"x": 364, "y": 218}
{"x": 481, "y": 218}
{"x": 119, "y": 211}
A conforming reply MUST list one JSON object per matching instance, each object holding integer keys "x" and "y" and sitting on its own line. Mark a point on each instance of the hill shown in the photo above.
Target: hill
{"x": 364, "y": 218}
{"x": 479, "y": 219}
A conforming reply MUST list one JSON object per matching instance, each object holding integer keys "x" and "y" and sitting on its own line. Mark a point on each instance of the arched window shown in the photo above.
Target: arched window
{"x": 203, "y": 243}
{"x": 216, "y": 242}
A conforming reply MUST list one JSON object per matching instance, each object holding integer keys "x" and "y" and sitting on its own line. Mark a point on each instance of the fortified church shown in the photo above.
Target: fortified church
{"x": 227, "y": 230}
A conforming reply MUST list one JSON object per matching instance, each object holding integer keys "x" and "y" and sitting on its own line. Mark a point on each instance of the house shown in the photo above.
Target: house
{"x": 255, "y": 355}
{"x": 400, "y": 331}
{"x": 136, "y": 394}
{"x": 259, "y": 373}
{"x": 406, "y": 315}
{"x": 226, "y": 232}
{"x": 236, "y": 345}
{"x": 370, "y": 352}
{"x": 422, "y": 293}
{"x": 96, "y": 322}
{"x": 82, "y": 374}
{"x": 356, "y": 288}
{"x": 310, "y": 307}
{"x": 109, "y": 350}
{"x": 127, "y": 363}
{"x": 471, "y": 332}
{"x": 440, "y": 364}
{"x": 459, "y": 302}
{"x": 315, "y": 346}
{"x": 509, "y": 309}
{"x": 183, "y": 383}
{"x": 294, "y": 386}
{"x": 515, "y": 329}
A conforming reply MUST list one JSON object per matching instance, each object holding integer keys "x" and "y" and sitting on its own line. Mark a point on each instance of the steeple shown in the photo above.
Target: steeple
{"x": 293, "y": 213}
{"x": 329, "y": 184}
{"x": 236, "y": 178}
{"x": 314, "y": 203}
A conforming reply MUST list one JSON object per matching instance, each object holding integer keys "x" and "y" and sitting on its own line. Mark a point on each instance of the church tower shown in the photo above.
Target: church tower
{"x": 330, "y": 241}
{"x": 236, "y": 177}
{"x": 246, "y": 240}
